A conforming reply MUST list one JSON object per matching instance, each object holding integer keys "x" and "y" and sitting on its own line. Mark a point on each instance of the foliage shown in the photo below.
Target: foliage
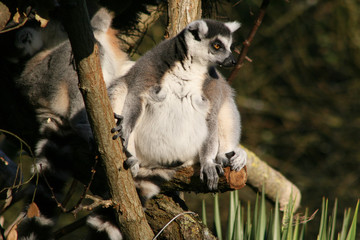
{"x": 258, "y": 224}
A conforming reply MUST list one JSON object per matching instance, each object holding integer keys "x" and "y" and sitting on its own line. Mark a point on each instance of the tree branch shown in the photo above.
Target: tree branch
{"x": 260, "y": 173}
{"x": 131, "y": 39}
{"x": 130, "y": 216}
{"x": 247, "y": 42}
{"x": 188, "y": 179}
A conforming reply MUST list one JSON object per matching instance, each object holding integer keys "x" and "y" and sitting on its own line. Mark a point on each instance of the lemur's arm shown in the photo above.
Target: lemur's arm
{"x": 125, "y": 125}
{"x": 210, "y": 169}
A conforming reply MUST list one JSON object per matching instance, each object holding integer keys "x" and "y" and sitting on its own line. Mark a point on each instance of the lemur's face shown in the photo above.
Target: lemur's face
{"x": 210, "y": 42}
{"x": 28, "y": 41}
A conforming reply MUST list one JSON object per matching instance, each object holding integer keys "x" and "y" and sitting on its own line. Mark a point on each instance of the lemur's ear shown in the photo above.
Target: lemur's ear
{"x": 101, "y": 21}
{"x": 198, "y": 29}
{"x": 233, "y": 26}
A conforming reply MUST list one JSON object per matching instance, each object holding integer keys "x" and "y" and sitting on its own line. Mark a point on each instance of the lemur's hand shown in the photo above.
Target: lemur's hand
{"x": 131, "y": 162}
{"x": 119, "y": 131}
{"x": 238, "y": 159}
{"x": 209, "y": 173}
{"x": 118, "y": 126}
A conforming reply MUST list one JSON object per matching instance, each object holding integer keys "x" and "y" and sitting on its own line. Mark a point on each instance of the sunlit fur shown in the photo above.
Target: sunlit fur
{"x": 107, "y": 227}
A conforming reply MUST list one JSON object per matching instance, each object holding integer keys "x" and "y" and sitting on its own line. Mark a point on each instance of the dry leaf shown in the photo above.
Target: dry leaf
{"x": 13, "y": 235}
{"x": 43, "y": 21}
{"x": 8, "y": 198}
{"x": 33, "y": 211}
{"x": 16, "y": 17}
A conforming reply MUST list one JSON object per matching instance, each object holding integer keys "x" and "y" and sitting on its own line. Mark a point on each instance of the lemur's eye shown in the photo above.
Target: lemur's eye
{"x": 216, "y": 46}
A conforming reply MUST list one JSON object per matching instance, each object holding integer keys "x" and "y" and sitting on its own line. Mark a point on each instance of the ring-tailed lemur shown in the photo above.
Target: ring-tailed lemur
{"x": 50, "y": 83}
{"x": 178, "y": 110}
{"x": 25, "y": 42}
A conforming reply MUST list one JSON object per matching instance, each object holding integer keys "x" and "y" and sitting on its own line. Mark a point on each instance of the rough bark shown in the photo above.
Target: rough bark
{"x": 188, "y": 179}
{"x": 162, "y": 209}
{"x": 181, "y": 13}
{"x": 130, "y": 216}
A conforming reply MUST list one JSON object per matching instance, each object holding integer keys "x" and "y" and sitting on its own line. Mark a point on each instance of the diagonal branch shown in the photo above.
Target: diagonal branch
{"x": 247, "y": 42}
{"x": 128, "y": 210}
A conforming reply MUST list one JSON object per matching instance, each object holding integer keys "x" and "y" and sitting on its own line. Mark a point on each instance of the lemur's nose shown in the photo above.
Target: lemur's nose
{"x": 229, "y": 61}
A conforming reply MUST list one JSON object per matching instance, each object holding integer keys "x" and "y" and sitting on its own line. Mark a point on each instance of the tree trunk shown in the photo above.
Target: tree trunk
{"x": 130, "y": 215}
{"x": 181, "y": 13}
{"x": 187, "y": 225}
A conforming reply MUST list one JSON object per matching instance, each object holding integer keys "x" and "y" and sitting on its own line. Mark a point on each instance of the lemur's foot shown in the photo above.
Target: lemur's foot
{"x": 237, "y": 159}
{"x": 210, "y": 173}
{"x": 132, "y": 163}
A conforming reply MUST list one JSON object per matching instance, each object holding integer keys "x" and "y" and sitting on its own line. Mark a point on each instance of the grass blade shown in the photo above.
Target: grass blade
{"x": 238, "y": 225}
{"x": 261, "y": 228}
{"x": 345, "y": 224}
{"x": 276, "y": 221}
{"x": 203, "y": 212}
{"x": 231, "y": 216}
{"x": 248, "y": 228}
{"x": 255, "y": 216}
{"x": 352, "y": 231}
{"x": 217, "y": 218}
{"x": 303, "y": 229}
{"x": 323, "y": 221}
{"x": 333, "y": 225}
{"x": 296, "y": 230}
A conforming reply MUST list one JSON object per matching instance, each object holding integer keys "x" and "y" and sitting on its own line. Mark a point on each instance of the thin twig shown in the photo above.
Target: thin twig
{"x": 70, "y": 228}
{"x": 86, "y": 187}
{"x": 247, "y": 42}
{"x": 97, "y": 201}
{"x": 63, "y": 209}
{"x": 82, "y": 197}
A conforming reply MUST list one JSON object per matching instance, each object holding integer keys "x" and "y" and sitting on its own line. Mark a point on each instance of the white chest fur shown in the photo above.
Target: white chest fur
{"x": 173, "y": 126}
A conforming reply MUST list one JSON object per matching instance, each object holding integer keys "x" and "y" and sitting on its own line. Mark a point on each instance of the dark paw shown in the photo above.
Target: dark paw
{"x": 117, "y": 129}
{"x": 210, "y": 173}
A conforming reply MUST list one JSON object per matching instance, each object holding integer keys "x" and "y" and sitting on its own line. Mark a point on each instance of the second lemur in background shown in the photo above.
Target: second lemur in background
{"x": 49, "y": 83}
{"x": 178, "y": 109}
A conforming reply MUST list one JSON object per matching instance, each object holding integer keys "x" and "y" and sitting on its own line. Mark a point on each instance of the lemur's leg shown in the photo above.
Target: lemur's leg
{"x": 229, "y": 128}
